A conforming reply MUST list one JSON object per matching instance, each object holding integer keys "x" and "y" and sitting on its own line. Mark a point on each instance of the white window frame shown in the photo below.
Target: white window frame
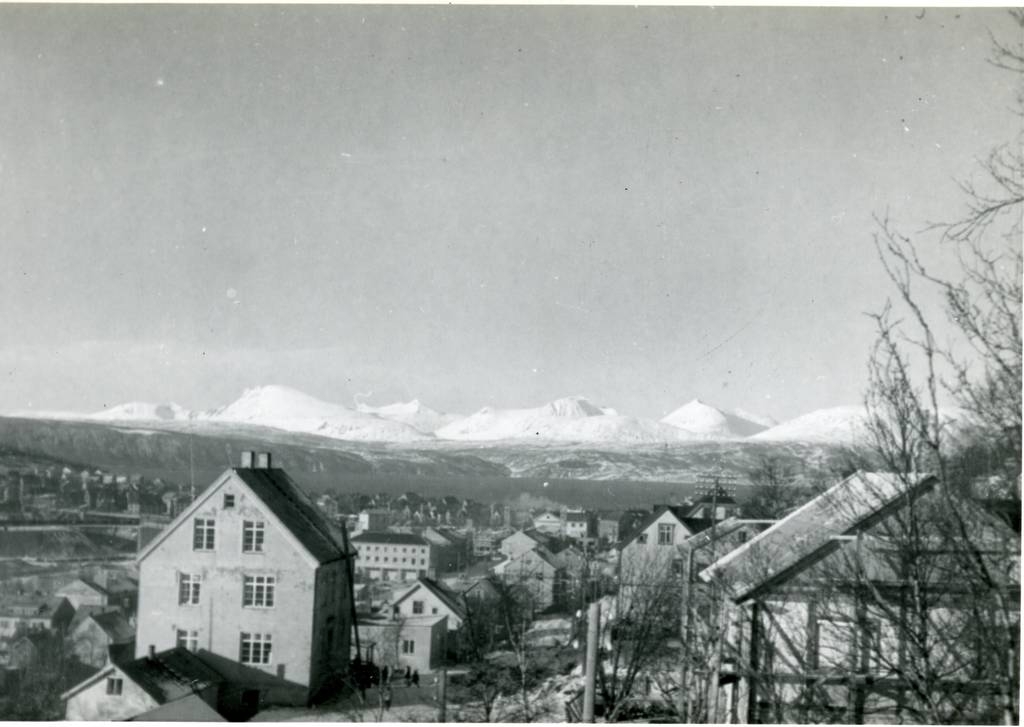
{"x": 189, "y": 585}
{"x": 258, "y": 591}
{"x": 255, "y": 649}
{"x": 115, "y": 686}
{"x": 418, "y": 608}
{"x": 188, "y": 639}
{"x": 207, "y": 542}
{"x": 666, "y": 529}
{"x": 255, "y": 531}
{"x": 408, "y": 646}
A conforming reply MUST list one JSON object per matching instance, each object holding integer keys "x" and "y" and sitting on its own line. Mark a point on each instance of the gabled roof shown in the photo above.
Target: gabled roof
{"x": 808, "y": 533}
{"x": 296, "y": 511}
{"x": 286, "y": 501}
{"x": 171, "y": 674}
{"x": 450, "y": 599}
{"x": 91, "y": 584}
{"x": 187, "y": 709}
{"x": 694, "y": 525}
{"x": 390, "y": 538}
{"x": 576, "y": 517}
{"x": 167, "y": 676}
{"x": 545, "y": 555}
{"x": 114, "y": 625}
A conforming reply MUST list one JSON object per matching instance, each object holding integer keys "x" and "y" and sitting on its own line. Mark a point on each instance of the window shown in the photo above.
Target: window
{"x": 258, "y": 591}
{"x": 203, "y": 534}
{"x": 115, "y": 685}
{"x": 434, "y": 610}
{"x": 255, "y": 648}
{"x": 188, "y": 639}
{"x": 642, "y": 538}
{"x": 408, "y": 646}
{"x": 252, "y": 536}
{"x": 666, "y": 534}
{"x": 229, "y": 501}
{"x": 188, "y": 589}
{"x": 417, "y": 607}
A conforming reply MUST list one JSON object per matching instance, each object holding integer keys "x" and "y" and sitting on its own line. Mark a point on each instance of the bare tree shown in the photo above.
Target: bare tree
{"x": 957, "y": 610}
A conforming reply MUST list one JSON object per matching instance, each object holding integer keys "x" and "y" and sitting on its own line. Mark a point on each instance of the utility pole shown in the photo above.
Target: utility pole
{"x": 590, "y": 685}
{"x": 442, "y": 696}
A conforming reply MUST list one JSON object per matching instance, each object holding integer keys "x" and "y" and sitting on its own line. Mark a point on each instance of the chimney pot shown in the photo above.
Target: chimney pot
{"x": 152, "y": 651}
{"x": 263, "y": 461}
{"x": 247, "y": 459}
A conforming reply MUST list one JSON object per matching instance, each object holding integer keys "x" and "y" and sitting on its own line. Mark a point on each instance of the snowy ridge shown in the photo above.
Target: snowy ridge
{"x": 142, "y": 411}
{"x": 839, "y": 424}
{"x": 284, "y": 408}
{"x": 414, "y": 413}
{"x": 571, "y": 419}
{"x": 706, "y": 421}
{"x": 846, "y": 425}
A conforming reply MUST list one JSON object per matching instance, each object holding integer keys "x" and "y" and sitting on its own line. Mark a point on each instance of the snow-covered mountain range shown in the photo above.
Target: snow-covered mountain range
{"x": 571, "y": 419}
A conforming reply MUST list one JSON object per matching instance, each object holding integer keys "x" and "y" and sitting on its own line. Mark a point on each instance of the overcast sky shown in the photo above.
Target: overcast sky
{"x": 470, "y": 205}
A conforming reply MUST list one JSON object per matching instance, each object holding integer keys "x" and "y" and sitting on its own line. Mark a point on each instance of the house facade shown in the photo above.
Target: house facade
{"x": 577, "y": 526}
{"x": 430, "y": 598}
{"x": 417, "y": 642}
{"x": 102, "y": 637}
{"x": 389, "y": 556}
{"x": 548, "y": 522}
{"x": 252, "y": 572}
{"x": 521, "y": 541}
{"x": 651, "y": 552}
{"x": 833, "y": 615}
{"x": 538, "y": 572}
{"x": 28, "y": 613}
{"x": 121, "y": 692}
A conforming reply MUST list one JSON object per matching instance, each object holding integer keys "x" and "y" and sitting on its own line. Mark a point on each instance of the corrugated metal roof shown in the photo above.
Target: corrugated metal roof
{"x": 296, "y": 511}
{"x": 842, "y": 509}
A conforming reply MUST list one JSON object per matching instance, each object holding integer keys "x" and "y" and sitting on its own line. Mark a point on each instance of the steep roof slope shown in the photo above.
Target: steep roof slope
{"x": 296, "y": 511}
{"x": 852, "y": 504}
{"x": 322, "y": 539}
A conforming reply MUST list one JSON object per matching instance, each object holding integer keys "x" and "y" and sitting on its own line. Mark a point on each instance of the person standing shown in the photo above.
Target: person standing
{"x": 416, "y": 677}
{"x": 387, "y": 698}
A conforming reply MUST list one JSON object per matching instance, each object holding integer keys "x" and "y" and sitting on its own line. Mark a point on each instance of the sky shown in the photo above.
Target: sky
{"x": 474, "y": 206}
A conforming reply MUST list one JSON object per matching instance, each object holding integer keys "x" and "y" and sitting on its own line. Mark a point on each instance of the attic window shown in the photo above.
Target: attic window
{"x": 229, "y": 501}
{"x": 252, "y": 536}
{"x": 115, "y": 686}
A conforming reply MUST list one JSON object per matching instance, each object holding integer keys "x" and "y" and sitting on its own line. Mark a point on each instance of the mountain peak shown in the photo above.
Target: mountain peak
{"x": 707, "y": 421}
{"x": 573, "y": 407}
